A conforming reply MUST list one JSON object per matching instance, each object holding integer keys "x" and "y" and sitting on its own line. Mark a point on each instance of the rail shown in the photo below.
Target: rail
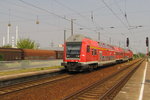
{"x": 35, "y": 83}
{"x": 107, "y": 88}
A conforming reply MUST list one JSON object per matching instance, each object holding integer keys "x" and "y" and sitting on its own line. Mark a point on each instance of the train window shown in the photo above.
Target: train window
{"x": 88, "y": 48}
{"x": 92, "y": 51}
{"x": 95, "y": 51}
{"x": 73, "y": 49}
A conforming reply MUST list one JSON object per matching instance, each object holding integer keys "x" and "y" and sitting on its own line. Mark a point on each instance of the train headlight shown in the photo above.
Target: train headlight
{"x": 77, "y": 55}
{"x": 67, "y": 56}
{"x": 83, "y": 55}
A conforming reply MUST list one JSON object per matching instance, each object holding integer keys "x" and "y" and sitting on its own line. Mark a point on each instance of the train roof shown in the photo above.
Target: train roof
{"x": 80, "y": 37}
{"x": 118, "y": 49}
{"x": 76, "y": 38}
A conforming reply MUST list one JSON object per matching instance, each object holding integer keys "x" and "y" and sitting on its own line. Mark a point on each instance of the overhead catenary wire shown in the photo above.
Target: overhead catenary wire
{"x": 124, "y": 13}
{"x": 98, "y": 28}
{"x": 114, "y": 14}
{"x": 85, "y": 18}
{"x": 62, "y": 17}
{"x": 44, "y": 10}
{"x": 126, "y": 26}
{"x": 49, "y": 12}
{"x": 116, "y": 3}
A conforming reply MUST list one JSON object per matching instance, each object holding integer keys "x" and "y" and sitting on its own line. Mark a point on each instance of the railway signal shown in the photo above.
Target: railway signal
{"x": 147, "y": 41}
{"x": 147, "y": 45}
{"x": 127, "y": 42}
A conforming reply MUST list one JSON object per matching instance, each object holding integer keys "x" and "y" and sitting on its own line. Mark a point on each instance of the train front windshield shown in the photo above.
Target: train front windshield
{"x": 73, "y": 49}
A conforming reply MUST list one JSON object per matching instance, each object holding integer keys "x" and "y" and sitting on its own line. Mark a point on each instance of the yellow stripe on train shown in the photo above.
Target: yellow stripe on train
{"x": 98, "y": 48}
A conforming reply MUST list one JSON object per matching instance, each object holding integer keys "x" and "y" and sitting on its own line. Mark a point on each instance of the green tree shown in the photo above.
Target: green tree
{"x": 26, "y": 44}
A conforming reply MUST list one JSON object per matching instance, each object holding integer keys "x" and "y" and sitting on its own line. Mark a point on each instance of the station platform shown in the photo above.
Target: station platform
{"x": 138, "y": 86}
{"x": 23, "y": 64}
{"x": 19, "y": 69}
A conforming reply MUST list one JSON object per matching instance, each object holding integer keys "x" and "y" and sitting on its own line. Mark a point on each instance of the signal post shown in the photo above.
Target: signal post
{"x": 147, "y": 45}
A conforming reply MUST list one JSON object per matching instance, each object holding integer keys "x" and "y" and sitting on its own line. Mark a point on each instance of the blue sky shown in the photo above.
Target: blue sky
{"x": 52, "y": 15}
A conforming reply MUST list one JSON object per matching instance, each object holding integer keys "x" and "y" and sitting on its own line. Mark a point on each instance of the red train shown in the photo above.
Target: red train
{"x": 82, "y": 53}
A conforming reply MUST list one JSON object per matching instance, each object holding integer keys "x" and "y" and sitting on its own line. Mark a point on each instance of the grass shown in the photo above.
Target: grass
{"x": 3, "y": 73}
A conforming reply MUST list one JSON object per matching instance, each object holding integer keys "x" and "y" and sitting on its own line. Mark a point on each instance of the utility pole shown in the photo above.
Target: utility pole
{"x": 52, "y": 44}
{"x": 92, "y": 16}
{"x": 3, "y": 41}
{"x": 64, "y": 36}
{"x": 16, "y": 35}
{"x": 110, "y": 40}
{"x": 99, "y": 36}
{"x": 72, "y": 26}
{"x": 8, "y": 29}
{"x": 119, "y": 43}
{"x": 8, "y": 33}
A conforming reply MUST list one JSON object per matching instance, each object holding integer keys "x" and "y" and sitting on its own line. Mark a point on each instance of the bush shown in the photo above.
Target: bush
{"x": 26, "y": 44}
{"x": 1, "y": 57}
{"x": 7, "y": 46}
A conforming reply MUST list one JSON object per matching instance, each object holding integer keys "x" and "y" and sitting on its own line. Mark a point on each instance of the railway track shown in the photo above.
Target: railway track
{"x": 107, "y": 88}
{"x": 60, "y": 86}
{"x": 31, "y": 84}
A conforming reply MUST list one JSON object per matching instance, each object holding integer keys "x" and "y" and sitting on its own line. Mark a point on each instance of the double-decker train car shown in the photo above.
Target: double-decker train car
{"x": 81, "y": 53}
{"x": 128, "y": 54}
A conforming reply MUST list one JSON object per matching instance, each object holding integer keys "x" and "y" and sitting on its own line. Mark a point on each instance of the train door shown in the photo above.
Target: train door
{"x": 101, "y": 55}
{"x": 88, "y": 53}
{"x": 94, "y": 55}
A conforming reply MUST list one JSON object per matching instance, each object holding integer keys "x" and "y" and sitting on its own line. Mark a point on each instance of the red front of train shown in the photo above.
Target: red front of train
{"x": 82, "y": 53}
{"x": 77, "y": 53}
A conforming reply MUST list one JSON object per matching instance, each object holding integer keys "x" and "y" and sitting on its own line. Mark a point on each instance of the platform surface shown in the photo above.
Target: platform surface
{"x": 16, "y": 65}
{"x": 138, "y": 86}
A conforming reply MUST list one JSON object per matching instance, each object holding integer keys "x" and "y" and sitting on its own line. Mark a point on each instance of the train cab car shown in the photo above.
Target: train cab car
{"x": 82, "y": 53}
{"x": 79, "y": 52}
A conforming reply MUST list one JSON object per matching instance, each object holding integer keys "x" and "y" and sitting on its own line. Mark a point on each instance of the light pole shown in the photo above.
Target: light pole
{"x": 72, "y": 26}
{"x": 99, "y": 36}
{"x": 64, "y": 36}
{"x": 8, "y": 33}
{"x": 110, "y": 40}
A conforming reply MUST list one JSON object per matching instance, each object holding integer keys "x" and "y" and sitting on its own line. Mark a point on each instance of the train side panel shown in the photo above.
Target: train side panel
{"x": 9, "y": 54}
{"x": 82, "y": 53}
{"x": 39, "y": 54}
